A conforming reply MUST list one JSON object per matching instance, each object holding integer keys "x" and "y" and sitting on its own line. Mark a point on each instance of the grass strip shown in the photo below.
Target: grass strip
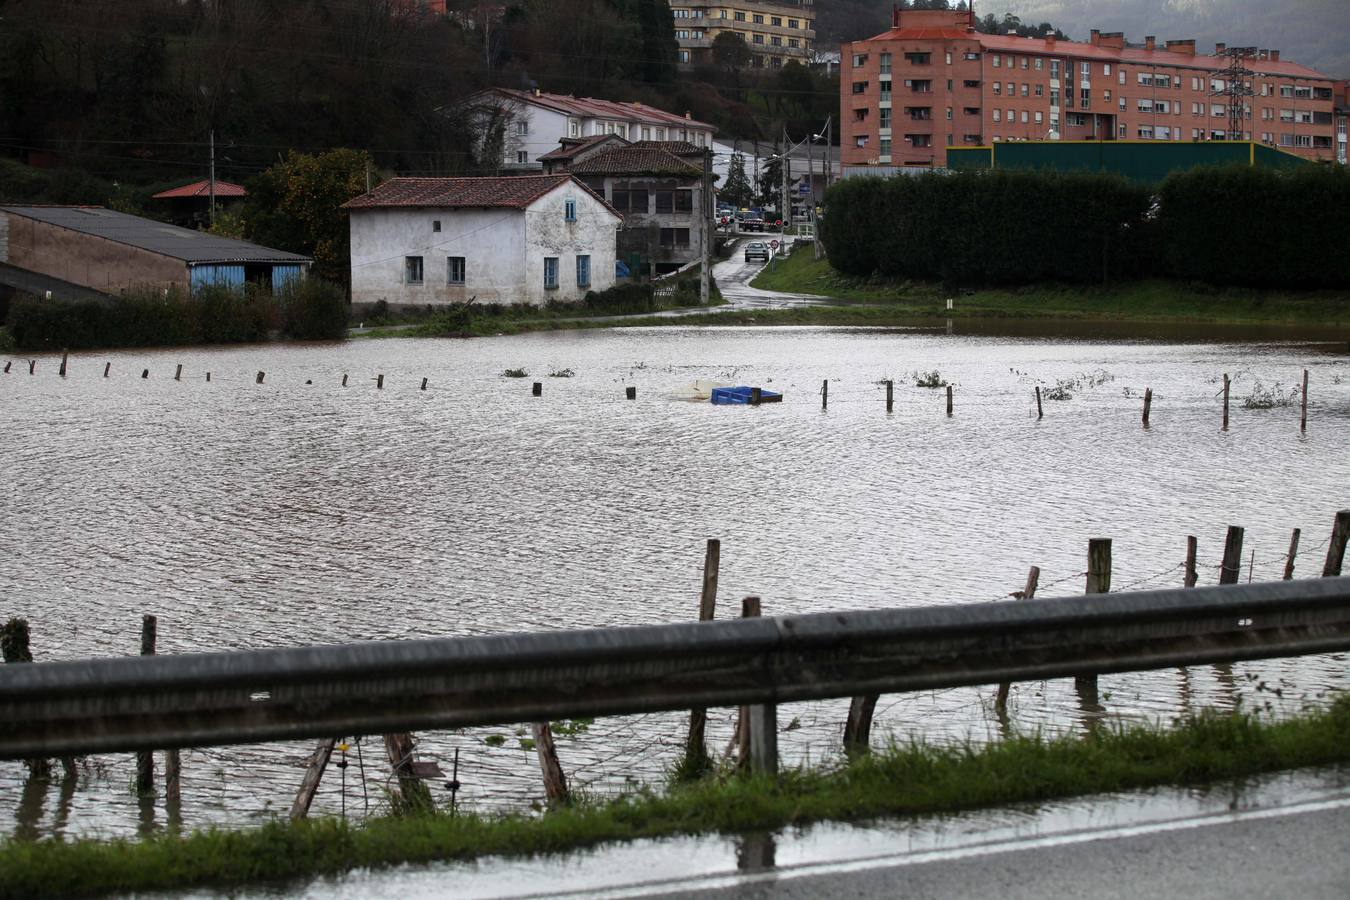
{"x": 1150, "y": 300}
{"x": 902, "y": 779}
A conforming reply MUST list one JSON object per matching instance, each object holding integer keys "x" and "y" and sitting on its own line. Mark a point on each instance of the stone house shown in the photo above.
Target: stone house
{"x": 657, "y": 185}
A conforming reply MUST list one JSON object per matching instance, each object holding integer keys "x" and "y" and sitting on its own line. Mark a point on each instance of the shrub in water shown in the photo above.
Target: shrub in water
{"x": 313, "y": 310}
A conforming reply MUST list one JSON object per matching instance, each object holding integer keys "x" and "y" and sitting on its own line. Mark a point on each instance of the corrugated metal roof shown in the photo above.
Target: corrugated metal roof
{"x": 157, "y": 237}
{"x": 202, "y": 189}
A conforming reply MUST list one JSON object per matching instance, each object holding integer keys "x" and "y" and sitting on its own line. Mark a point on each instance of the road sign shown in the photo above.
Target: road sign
{"x": 778, "y": 222}
{"x": 773, "y": 245}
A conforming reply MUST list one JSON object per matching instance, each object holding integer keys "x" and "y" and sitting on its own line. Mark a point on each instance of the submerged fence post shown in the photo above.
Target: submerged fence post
{"x": 145, "y": 373}
{"x": 32, "y": 366}
{"x": 107, "y": 367}
{"x": 1191, "y": 575}
{"x": 1040, "y": 413}
{"x": 1293, "y": 552}
{"x": 1336, "y": 549}
{"x": 344, "y": 379}
{"x": 696, "y": 751}
{"x": 1303, "y": 418}
{"x": 259, "y": 379}
{"x": 15, "y": 637}
{"x": 145, "y": 759}
{"x": 537, "y": 390}
{"x": 1028, "y": 593}
{"x": 825, "y": 394}
{"x": 1148, "y": 404}
{"x": 1098, "y": 582}
{"x": 1232, "y": 556}
{"x": 379, "y": 382}
{"x": 890, "y": 395}
{"x": 1226, "y": 384}
{"x": 65, "y": 356}
{"x": 424, "y": 384}
{"x": 949, "y": 401}
{"x": 178, "y": 373}
{"x": 630, "y": 393}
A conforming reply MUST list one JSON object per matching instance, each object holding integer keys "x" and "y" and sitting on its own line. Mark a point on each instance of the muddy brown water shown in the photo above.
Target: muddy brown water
{"x": 248, "y": 516}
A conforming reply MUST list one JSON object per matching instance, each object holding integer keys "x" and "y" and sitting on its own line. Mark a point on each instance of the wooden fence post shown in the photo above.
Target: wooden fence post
{"x": 178, "y": 373}
{"x": 208, "y": 377}
{"x": 379, "y": 382}
{"x": 949, "y": 401}
{"x": 696, "y": 751}
{"x": 890, "y": 395}
{"x": 399, "y": 748}
{"x": 1040, "y": 413}
{"x": 15, "y": 638}
{"x": 538, "y": 389}
{"x": 1232, "y": 556}
{"x": 424, "y": 384}
{"x": 313, "y": 775}
{"x": 1098, "y": 582}
{"x": 1303, "y": 418}
{"x": 145, "y": 759}
{"x": 1148, "y": 404}
{"x": 344, "y": 379}
{"x": 1226, "y": 384}
{"x": 1028, "y": 593}
{"x": 32, "y": 366}
{"x": 1336, "y": 549}
{"x": 825, "y": 395}
{"x": 260, "y": 377}
{"x": 630, "y": 393}
{"x": 145, "y": 373}
{"x": 65, "y": 356}
{"x": 555, "y": 782}
{"x": 107, "y": 367}
{"x": 858, "y": 726}
{"x": 758, "y": 727}
{"x": 1293, "y": 552}
{"x": 1191, "y": 575}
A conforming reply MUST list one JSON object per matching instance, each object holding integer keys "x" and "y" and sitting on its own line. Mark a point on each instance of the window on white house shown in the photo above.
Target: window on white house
{"x": 412, "y": 270}
{"x": 523, "y": 127}
{"x": 522, "y": 157}
{"x": 454, "y": 270}
{"x": 550, "y": 272}
{"x": 583, "y": 271}
{"x": 570, "y": 209}
{"x": 573, "y": 128}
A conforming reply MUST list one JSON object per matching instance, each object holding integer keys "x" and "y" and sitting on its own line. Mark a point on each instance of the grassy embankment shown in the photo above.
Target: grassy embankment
{"x": 1144, "y": 301}
{"x": 901, "y": 780}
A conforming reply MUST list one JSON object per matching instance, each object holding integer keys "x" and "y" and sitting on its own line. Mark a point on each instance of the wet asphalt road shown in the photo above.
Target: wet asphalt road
{"x": 1265, "y": 854}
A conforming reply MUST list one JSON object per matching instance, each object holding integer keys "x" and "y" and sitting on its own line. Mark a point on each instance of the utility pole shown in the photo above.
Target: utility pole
{"x": 1236, "y": 89}
{"x": 785, "y": 212}
{"x": 705, "y": 276}
{"x": 212, "y": 187}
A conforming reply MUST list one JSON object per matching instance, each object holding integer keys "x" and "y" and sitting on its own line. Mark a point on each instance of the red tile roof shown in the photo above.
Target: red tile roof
{"x": 202, "y": 189}
{"x": 679, "y": 148}
{"x": 634, "y": 161}
{"x": 1007, "y": 43}
{"x": 572, "y": 146}
{"x": 591, "y": 108}
{"x": 509, "y": 192}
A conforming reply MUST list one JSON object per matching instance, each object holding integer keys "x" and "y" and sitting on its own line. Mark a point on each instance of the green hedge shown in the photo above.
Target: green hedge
{"x": 311, "y": 310}
{"x": 1233, "y": 225}
{"x": 1000, "y": 227}
{"x": 1256, "y": 227}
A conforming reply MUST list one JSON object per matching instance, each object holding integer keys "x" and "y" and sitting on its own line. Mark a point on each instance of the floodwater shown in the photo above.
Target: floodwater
{"x": 247, "y": 516}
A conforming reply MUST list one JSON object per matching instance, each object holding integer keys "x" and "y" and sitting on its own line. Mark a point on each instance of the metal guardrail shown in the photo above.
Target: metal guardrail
{"x": 155, "y": 702}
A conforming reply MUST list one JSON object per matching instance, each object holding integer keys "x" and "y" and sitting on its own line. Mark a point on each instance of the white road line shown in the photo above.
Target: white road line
{"x": 894, "y": 860}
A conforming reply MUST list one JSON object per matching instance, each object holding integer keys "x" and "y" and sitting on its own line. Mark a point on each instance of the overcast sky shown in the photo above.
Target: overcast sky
{"x": 1313, "y": 32}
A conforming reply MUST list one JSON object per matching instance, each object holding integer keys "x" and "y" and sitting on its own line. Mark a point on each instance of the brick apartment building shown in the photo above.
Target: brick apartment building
{"x": 932, "y": 82}
{"x": 775, "y": 32}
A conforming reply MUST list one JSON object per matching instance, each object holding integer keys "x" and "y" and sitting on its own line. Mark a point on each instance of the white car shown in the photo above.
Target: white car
{"x": 757, "y": 250}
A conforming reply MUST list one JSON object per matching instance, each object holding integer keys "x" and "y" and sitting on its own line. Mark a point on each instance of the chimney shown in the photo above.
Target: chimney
{"x": 536, "y": 92}
{"x": 1050, "y": 39}
{"x": 688, "y": 115}
{"x": 1150, "y": 41}
{"x": 1219, "y": 49}
{"x": 895, "y": 15}
{"x": 1185, "y": 46}
{"x": 1274, "y": 56}
{"x": 1095, "y": 37}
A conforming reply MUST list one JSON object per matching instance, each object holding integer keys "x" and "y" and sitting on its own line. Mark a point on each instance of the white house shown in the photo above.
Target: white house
{"x": 521, "y": 239}
{"x": 518, "y": 127}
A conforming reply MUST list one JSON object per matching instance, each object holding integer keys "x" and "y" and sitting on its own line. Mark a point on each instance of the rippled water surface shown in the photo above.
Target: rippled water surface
{"x": 248, "y": 515}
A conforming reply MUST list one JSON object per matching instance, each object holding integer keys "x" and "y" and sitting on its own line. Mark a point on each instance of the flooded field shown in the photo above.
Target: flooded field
{"x": 247, "y": 515}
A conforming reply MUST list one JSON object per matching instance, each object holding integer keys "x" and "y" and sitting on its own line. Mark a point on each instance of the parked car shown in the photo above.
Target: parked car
{"x": 757, "y": 250}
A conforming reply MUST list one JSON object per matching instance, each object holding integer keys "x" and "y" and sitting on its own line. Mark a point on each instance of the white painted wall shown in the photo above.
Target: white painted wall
{"x": 548, "y": 234}
{"x": 503, "y": 250}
